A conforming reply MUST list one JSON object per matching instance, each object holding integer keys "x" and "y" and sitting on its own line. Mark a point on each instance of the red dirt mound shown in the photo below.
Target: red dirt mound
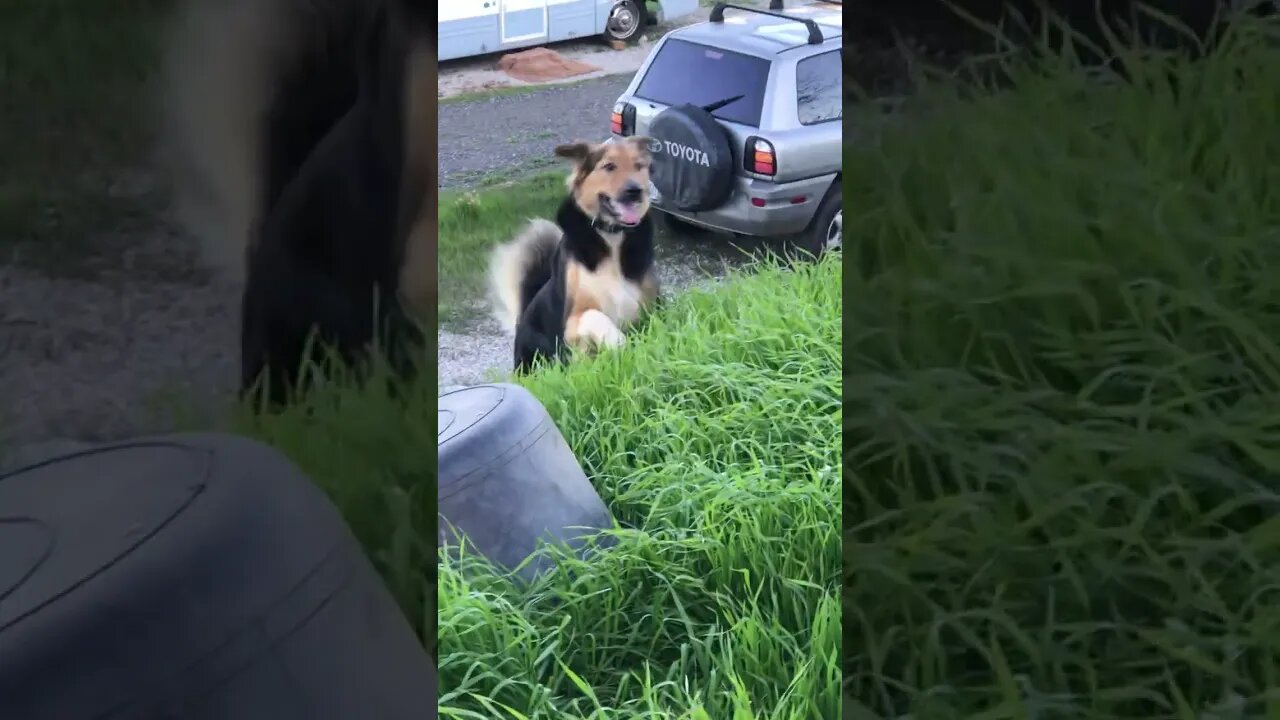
{"x": 542, "y": 64}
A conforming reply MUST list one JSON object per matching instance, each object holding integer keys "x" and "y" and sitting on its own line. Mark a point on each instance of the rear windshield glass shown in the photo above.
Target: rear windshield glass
{"x": 685, "y": 72}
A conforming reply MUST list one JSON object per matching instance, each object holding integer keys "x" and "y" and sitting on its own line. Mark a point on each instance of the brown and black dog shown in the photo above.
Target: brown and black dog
{"x": 581, "y": 281}
{"x": 302, "y": 133}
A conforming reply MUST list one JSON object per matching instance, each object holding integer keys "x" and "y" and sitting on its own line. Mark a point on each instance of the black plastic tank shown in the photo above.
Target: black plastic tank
{"x": 508, "y": 480}
{"x": 193, "y": 577}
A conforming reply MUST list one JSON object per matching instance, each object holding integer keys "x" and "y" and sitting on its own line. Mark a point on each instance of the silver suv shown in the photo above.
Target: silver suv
{"x": 745, "y": 115}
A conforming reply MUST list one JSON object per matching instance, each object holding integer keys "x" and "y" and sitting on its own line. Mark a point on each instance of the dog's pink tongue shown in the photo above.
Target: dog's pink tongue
{"x": 629, "y": 214}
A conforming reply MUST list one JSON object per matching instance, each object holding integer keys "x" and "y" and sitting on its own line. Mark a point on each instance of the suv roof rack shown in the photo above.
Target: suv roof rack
{"x": 815, "y": 34}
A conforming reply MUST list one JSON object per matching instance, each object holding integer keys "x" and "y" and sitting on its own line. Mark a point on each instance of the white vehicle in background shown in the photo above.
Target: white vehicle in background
{"x": 476, "y": 27}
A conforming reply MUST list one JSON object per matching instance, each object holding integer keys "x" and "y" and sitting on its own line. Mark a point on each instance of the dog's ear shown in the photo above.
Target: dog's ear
{"x": 576, "y": 152}
{"x": 641, "y": 143}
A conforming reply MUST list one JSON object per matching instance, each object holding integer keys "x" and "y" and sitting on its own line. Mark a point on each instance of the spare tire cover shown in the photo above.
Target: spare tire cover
{"x": 692, "y": 159}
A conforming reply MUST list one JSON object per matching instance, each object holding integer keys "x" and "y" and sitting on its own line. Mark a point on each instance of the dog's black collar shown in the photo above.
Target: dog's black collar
{"x": 601, "y": 225}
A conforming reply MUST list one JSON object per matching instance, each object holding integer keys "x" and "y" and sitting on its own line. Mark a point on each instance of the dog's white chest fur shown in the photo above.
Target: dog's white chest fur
{"x": 618, "y": 298}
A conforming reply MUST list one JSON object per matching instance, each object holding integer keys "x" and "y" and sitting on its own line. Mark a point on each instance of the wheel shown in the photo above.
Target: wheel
{"x": 693, "y": 164}
{"x": 186, "y": 576}
{"x": 626, "y": 19}
{"x": 505, "y": 491}
{"x": 826, "y": 231}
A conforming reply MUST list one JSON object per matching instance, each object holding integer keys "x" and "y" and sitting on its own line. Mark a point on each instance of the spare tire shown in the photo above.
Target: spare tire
{"x": 193, "y": 576}
{"x": 508, "y": 481}
{"x": 692, "y": 159}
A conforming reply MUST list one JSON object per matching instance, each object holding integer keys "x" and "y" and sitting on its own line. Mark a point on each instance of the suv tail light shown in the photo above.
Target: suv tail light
{"x": 623, "y": 121}
{"x": 759, "y": 157}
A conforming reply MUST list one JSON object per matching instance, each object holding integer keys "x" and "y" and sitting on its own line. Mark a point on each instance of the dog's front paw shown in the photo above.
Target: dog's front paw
{"x": 599, "y": 330}
{"x": 613, "y": 338}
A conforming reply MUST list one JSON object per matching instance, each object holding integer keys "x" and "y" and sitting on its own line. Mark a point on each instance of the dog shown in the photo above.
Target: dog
{"x": 581, "y": 281}
{"x": 301, "y": 135}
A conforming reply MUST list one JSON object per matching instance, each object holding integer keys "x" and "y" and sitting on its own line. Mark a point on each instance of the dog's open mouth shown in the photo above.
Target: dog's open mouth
{"x": 626, "y": 213}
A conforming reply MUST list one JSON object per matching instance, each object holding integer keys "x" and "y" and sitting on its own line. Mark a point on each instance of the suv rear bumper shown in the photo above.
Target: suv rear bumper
{"x": 781, "y": 214}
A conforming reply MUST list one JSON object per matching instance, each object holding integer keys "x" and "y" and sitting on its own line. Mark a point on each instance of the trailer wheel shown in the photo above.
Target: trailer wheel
{"x": 626, "y": 19}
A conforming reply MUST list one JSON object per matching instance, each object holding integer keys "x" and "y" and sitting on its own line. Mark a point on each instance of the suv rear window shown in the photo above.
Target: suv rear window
{"x": 685, "y": 72}
{"x": 819, "y": 85}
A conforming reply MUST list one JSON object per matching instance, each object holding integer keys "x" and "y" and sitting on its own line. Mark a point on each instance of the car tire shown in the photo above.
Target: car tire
{"x": 826, "y": 230}
{"x": 627, "y": 19}
{"x": 508, "y": 481}
{"x": 237, "y": 563}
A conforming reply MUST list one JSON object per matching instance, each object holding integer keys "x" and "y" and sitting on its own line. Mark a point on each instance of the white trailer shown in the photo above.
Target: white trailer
{"x": 476, "y": 27}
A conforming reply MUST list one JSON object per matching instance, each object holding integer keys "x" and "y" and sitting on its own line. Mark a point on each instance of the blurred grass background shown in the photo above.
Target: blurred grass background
{"x": 1062, "y": 391}
{"x": 75, "y": 124}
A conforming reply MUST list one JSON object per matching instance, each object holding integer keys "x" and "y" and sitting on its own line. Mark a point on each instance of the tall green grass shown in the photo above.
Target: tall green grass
{"x": 713, "y": 437}
{"x": 714, "y": 441}
{"x": 1062, "y": 394}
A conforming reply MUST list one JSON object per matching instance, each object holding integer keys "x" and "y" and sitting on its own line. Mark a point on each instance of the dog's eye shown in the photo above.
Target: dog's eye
{"x": 609, "y": 167}
{"x": 642, "y": 166}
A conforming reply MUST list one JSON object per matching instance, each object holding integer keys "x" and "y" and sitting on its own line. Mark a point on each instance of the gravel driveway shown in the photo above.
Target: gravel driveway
{"x": 133, "y": 349}
{"x": 512, "y": 132}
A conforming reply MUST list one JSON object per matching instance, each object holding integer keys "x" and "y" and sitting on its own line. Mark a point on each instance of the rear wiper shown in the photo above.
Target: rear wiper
{"x": 721, "y": 103}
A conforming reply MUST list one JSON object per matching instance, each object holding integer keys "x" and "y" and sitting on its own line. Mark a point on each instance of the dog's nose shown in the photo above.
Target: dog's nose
{"x": 632, "y": 192}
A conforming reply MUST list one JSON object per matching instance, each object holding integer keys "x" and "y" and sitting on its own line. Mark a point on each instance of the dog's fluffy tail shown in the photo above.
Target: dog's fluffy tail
{"x": 250, "y": 87}
{"x": 519, "y": 268}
